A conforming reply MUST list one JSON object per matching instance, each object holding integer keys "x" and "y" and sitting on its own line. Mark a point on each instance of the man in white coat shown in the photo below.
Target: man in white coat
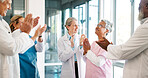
{"x": 9, "y": 46}
{"x": 135, "y": 50}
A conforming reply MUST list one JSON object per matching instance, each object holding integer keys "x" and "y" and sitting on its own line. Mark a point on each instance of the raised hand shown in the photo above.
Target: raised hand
{"x": 39, "y": 32}
{"x": 35, "y": 21}
{"x": 86, "y": 46}
{"x": 82, "y": 39}
{"x": 72, "y": 40}
{"x": 104, "y": 43}
{"x": 27, "y": 24}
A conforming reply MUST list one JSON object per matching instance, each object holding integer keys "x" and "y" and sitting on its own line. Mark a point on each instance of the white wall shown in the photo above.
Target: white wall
{"x": 37, "y": 8}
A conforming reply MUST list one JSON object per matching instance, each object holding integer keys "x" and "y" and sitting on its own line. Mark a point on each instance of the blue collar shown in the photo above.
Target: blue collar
{"x": 69, "y": 37}
{"x": 1, "y": 17}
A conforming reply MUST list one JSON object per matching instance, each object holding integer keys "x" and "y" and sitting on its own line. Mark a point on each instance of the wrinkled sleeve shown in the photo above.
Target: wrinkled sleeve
{"x": 10, "y": 45}
{"x": 133, "y": 47}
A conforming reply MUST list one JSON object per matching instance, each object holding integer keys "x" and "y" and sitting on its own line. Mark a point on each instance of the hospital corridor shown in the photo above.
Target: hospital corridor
{"x": 121, "y": 18}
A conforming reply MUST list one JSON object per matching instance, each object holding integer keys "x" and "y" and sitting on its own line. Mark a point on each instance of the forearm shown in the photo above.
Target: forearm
{"x": 133, "y": 47}
{"x": 12, "y": 45}
{"x": 96, "y": 60}
{"x": 34, "y": 38}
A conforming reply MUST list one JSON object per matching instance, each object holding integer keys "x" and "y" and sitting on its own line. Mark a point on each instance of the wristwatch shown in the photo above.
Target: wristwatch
{"x": 40, "y": 36}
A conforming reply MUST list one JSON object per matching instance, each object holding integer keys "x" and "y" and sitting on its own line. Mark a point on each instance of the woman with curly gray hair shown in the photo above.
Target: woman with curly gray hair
{"x": 97, "y": 65}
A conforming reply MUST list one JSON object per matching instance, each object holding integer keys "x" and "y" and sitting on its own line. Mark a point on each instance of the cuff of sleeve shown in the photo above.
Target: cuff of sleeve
{"x": 108, "y": 46}
{"x": 40, "y": 43}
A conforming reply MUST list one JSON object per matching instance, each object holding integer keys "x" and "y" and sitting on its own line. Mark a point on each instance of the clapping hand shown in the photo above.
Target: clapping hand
{"x": 39, "y": 32}
{"x": 72, "y": 40}
{"x": 35, "y": 21}
{"x": 27, "y": 24}
{"x": 86, "y": 46}
{"x": 82, "y": 39}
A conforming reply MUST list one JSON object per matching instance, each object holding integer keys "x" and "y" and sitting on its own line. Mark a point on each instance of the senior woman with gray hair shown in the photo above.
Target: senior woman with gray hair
{"x": 97, "y": 66}
{"x": 70, "y": 51}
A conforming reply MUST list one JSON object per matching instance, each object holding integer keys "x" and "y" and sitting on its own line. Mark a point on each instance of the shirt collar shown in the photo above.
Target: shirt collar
{"x": 1, "y": 17}
{"x": 143, "y": 20}
{"x": 69, "y": 37}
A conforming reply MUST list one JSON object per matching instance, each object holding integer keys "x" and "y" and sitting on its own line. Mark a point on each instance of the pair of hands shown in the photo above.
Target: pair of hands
{"x": 39, "y": 32}
{"x": 29, "y": 23}
{"x": 81, "y": 40}
{"x": 103, "y": 43}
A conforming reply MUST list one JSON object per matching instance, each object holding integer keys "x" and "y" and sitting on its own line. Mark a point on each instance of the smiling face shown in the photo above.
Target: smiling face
{"x": 4, "y": 7}
{"x": 20, "y": 21}
{"x": 101, "y": 30}
{"x": 73, "y": 28}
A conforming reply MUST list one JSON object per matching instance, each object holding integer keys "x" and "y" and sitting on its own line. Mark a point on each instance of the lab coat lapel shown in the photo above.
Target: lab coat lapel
{"x": 6, "y": 26}
{"x": 66, "y": 40}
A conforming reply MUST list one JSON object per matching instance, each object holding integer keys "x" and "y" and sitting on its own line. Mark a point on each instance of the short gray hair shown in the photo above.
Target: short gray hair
{"x": 108, "y": 25}
{"x": 69, "y": 20}
{"x": 2, "y": 1}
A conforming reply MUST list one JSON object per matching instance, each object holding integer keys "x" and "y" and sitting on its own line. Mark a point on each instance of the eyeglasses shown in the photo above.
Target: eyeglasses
{"x": 74, "y": 25}
{"x": 101, "y": 26}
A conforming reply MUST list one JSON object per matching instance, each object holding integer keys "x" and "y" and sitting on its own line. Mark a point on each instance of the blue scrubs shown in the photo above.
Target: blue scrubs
{"x": 28, "y": 66}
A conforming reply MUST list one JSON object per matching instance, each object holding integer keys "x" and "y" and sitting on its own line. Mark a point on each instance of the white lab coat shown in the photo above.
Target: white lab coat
{"x": 38, "y": 46}
{"x": 66, "y": 56}
{"x": 9, "y": 48}
{"x": 135, "y": 52}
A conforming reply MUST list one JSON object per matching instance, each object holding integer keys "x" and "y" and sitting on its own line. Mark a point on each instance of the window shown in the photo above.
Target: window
{"x": 123, "y": 21}
{"x": 67, "y": 15}
{"x": 79, "y": 14}
{"x": 136, "y": 21}
{"x": 52, "y": 34}
{"x": 93, "y": 19}
{"x": 106, "y": 12}
{"x": 18, "y": 8}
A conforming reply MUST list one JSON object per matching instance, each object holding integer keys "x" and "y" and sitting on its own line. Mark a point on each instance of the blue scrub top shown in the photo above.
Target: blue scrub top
{"x": 28, "y": 66}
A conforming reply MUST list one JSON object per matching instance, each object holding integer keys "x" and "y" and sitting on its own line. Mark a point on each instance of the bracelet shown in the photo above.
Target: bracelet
{"x": 40, "y": 36}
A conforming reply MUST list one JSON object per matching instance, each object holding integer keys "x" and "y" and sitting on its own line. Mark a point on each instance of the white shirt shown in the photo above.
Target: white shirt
{"x": 9, "y": 48}
{"x": 38, "y": 46}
